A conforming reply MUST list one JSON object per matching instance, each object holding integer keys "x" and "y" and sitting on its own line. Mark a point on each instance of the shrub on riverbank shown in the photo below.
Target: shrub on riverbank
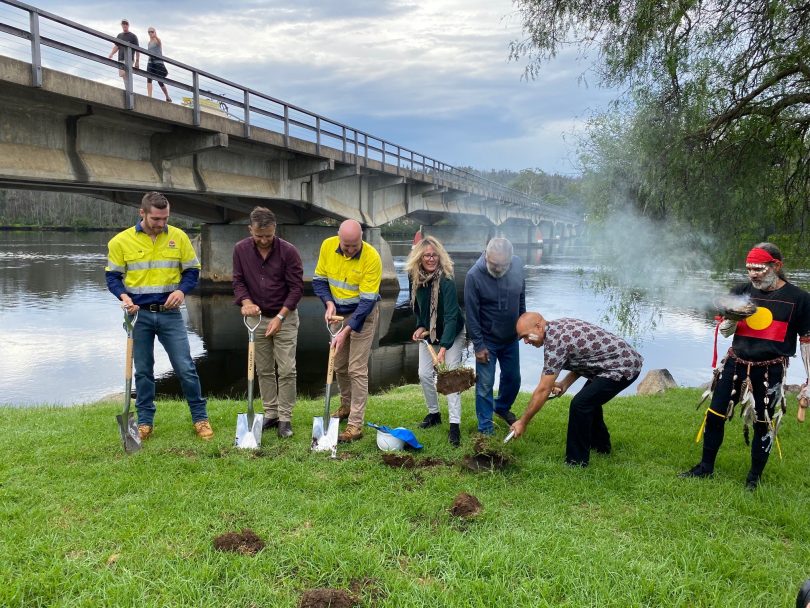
{"x": 86, "y": 525}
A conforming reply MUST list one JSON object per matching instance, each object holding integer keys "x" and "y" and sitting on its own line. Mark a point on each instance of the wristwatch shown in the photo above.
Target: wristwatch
{"x": 280, "y": 316}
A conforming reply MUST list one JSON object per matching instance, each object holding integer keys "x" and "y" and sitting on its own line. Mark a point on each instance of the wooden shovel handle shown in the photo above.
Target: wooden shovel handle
{"x": 128, "y": 365}
{"x": 335, "y": 319}
{"x": 432, "y": 353}
{"x": 251, "y": 360}
{"x": 330, "y": 369}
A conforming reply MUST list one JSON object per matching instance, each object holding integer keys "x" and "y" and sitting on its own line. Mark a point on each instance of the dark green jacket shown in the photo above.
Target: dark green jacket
{"x": 449, "y": 320}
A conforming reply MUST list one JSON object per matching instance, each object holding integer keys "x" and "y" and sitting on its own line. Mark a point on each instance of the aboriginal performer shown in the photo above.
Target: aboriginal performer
{"x": 753, "y": 372}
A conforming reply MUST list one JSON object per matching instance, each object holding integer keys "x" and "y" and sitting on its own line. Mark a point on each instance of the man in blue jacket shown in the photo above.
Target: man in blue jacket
{"x": 494, "y": 298}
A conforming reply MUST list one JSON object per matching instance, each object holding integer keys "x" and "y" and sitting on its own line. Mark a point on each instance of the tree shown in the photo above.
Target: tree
{"x": 719, "y": 101}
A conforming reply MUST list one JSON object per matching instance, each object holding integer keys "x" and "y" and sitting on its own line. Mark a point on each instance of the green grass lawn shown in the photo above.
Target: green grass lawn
{"x": 82, "y": 524}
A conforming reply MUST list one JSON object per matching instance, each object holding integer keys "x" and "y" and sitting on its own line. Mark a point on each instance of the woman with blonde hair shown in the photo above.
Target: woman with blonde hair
{"x": 439, "y": 320}
{"x": 156, "y": 66}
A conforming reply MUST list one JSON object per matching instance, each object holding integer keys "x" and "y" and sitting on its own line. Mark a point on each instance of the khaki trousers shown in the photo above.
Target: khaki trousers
{"x": 351, "y": 368}
{"x": 277, "y": 387}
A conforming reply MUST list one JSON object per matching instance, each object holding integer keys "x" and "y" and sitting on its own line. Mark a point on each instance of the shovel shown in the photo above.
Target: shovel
{"x": 249, "y": 425}
{"x": 126, "y": 419}
{"x": 325, "y": 430}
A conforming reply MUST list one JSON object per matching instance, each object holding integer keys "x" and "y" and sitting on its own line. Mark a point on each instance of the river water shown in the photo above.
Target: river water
{"x": 62, "y": 341}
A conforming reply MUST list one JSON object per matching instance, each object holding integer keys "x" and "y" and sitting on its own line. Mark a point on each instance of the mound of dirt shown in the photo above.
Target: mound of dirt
{"x": 327, "y": 598}
{"x": 424, "y": 463}
{"x": 398, "y": 462}
{"x": 455, "y": 380}
{"x": 246, "y": 542}
{"x": 466, "y": 505}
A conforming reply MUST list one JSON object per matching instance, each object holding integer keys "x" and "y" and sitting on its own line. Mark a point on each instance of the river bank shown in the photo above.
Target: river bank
{"x": 84, "y": 524}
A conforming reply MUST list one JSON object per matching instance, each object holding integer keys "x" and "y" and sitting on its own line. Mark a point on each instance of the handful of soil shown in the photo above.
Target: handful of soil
{"x": 449, "y": 381}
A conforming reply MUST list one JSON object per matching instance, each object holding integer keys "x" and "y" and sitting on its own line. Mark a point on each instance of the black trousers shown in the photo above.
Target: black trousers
{"x": 586, "y": 422}
{"x": 715, "y": 425}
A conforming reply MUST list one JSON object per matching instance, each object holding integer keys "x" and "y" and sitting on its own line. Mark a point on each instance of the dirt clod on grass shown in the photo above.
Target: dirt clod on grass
{"x": 466, "y": 505}
{"x": 455, "y": 380}
{"x": 246, "y": 542}
{"x": 396, "y": 461}
{"x": 327, "y": 598}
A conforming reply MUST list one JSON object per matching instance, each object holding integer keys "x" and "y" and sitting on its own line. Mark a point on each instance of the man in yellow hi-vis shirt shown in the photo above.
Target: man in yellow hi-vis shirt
{"x": 151, "y": 268}
{"x": 347, "y": 280}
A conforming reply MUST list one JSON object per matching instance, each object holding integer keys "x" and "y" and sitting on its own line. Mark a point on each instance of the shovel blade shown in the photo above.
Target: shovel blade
{"x": 248, "y": 437}
{"x": 324, "y": 439}
{"x": 129, "y": 432}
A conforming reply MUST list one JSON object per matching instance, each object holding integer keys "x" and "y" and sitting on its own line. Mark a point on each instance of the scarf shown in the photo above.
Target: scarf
{"x": 423, "y": 279}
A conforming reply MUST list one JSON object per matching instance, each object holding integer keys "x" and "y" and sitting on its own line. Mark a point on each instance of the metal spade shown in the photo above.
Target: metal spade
{"x": 126, "y": 419}
{"x": 324, "y": 429}
{"x": 249, "y": 425}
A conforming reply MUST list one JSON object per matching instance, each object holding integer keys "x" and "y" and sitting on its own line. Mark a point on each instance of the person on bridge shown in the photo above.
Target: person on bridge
{"x": 151, "y": 268}
{"x": 494, "y": 298}
{"x": 753, "y": 371}
{"x": 608, "y": 362}
{"x": 126, "y": 36}
{"x": 156, "y": 65}
{"x": 347, "y": 279}
{"x": 439, "y": 320}
{"x": 268, "y": 279}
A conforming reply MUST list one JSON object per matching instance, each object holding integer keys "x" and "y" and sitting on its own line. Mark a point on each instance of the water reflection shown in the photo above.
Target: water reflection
{"x": 61, "y": 339}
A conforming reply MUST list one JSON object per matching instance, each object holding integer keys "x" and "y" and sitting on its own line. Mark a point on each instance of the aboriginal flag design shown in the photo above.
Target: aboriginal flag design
{"x": 769, "y": 322}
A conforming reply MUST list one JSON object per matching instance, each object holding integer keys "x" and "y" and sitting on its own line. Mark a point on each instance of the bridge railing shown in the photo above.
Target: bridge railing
{"x": 53, "y": 39}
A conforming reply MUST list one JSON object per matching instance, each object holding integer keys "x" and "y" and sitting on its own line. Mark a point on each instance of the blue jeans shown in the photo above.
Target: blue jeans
{"x": 509, "y": 359}
{"x": 170, "y": 329}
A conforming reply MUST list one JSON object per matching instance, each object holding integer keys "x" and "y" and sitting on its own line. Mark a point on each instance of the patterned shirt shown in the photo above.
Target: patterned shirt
{"x": 588, "y": 350}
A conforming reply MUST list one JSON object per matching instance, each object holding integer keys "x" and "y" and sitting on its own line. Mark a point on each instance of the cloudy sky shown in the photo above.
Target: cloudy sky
{"x": 429, "y": 75}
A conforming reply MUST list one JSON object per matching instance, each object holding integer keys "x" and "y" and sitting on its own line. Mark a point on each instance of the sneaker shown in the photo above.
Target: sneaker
{"x": 343, "y": 412}
{"x": 751, "y": 482}
{"x": 203, "y": 429}
{"x": 431, "y": 420}
{"x": 285, "y": 429}
{"x": 145, "y": 431}
{"x": 508, "y": 416}
{"x": 352, "y": 433}
{"x": 269, "y": 423}
{"x": 454, "y": 436}
{"x": 699, "y": 470}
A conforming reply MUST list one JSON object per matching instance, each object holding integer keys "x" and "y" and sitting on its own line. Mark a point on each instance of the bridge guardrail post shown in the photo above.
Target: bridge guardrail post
{"x": 129, "y": 94}
{"x": 36, "y": 50}
{"x": 365, "y": 149}
{"x": 286, "y": 126}
{"x": 195, "y": 79}
{"x": 343, "y": 158}
{"x": 318, "y": 135}
{"x": 247, "y": 113}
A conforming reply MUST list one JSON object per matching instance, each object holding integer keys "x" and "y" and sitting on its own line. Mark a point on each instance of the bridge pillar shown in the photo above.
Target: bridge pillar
{"x": 547, "y": 230}
{"x": 518, "y": 234}
{"x": 461, "y": 239}
{"x": 216, "y": 252}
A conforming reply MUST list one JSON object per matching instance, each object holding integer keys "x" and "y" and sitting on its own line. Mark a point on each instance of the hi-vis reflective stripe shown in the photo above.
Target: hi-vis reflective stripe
{"x": 343, "y": 285}
{"x": 369, "y": 295}
{"x": 114, "y": 267}
{"x": 154, "y": 289}
{"x": 195, "y": 263}
{"x": 346, "y": 301}
{"x": 153, "y": 264}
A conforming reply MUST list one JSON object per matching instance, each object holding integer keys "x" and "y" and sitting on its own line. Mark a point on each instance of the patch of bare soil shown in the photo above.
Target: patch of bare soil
{"x": 455, "y": 380}
{"x": 246, "y": 542}
{"x": 487, "y": 456}
{"x": 466, "y": 505}
{"x": 327, "y": 598}
{"x": 424, "y": 463}
{"x": 398, "y": 462}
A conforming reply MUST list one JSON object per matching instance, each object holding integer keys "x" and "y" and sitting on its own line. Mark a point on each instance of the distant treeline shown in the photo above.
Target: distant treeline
{"x": 29, "y": 208}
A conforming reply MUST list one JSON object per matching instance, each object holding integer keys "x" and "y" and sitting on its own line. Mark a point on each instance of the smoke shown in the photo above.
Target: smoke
{"x": 644, "y": 266}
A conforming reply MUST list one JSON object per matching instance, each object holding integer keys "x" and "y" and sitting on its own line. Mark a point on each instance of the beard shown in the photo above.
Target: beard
{"x": 497, "y": 273}
{"x": 767, "y": 281}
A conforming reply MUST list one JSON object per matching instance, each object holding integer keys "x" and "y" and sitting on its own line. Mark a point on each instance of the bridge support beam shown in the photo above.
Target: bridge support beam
{"x": 216, "y": 252}
{"x": 461, "y": 239}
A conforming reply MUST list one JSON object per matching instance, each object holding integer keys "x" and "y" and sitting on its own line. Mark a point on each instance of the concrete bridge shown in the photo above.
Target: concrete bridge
{"x": 67, "y": 133}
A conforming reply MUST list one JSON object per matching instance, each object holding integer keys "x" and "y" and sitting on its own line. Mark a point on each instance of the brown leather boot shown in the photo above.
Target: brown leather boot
{"x": 343, "y": 412}
{"x": 203, "y": 429}
{"x": 351, "y": 433}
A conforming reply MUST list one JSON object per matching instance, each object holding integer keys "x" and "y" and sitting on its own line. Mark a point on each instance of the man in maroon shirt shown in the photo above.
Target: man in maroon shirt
{"x": 268, "y": 279}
